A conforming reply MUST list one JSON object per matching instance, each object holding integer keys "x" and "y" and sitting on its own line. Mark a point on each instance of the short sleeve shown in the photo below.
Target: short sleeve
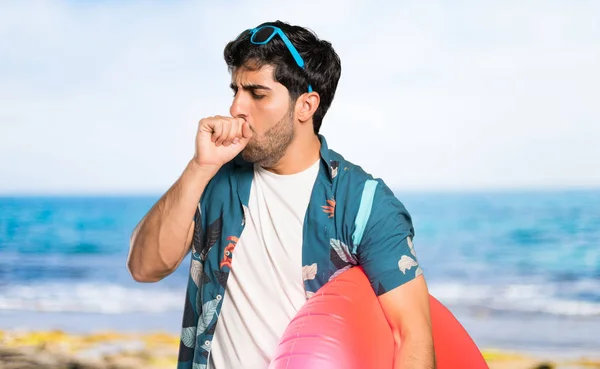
{"x": 386, "y": 251}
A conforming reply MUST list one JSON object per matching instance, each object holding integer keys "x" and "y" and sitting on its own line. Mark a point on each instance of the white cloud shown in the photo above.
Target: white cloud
{"x": 105, "y": 96}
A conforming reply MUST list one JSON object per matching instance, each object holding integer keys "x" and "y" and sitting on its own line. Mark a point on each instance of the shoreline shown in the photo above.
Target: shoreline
{"x": 104, "y": 349}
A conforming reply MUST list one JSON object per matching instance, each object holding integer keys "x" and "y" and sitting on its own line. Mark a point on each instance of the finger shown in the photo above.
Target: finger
{"x": 233, "y": 133}
{"x": 206, "y": 125}
{"x": 246, "y": 131}
{"x": 247, "y": 134}
{"x": 225, "y": 127}
{"x": 217, "y": 129}
{"x": 239, "y": 134}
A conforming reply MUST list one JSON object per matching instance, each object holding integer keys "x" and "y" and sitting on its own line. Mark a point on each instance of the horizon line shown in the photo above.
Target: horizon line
{"x": 396, "y": 190}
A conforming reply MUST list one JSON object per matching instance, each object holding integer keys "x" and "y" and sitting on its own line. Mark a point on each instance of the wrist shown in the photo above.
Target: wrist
{"x": 203, "y": 173}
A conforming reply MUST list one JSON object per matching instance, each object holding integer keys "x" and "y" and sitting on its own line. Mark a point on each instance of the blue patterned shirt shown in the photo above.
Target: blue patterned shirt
{"x": 352, "y": 219}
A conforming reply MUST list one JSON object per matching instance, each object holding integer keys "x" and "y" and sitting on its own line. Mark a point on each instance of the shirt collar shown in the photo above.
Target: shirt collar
{"x": 328, "y": 167}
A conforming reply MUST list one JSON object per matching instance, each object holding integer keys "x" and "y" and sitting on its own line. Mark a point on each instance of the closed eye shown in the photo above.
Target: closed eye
{"x": 253, "y": 88}
{"x": 255, "y": 96}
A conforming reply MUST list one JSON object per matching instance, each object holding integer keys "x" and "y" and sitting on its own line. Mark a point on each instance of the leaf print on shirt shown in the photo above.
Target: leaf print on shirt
{"x": 411, "y": 246}
{"x": 188, "y": 312}
{"x": 205, "y": 278}
{"x": 309, "y": 272}
{"x": 419, "y": 271}
{"x": 209, "y": 310}
{"x": 188, "y": 336}
{"x": 196, "y": 272}
{"x": 221, "y": 277}
{"x": 329, "y": 209}
{"x": 198, "y": 232}
{"x": 185, "y": 353}
{"x": 340, "y": 271}
{"x": 405, "y": 263}
{"x": 228, "y": 252}
{"x": 343, "y": 251}
{"x": 213, "y": 235}
{"x": 211, "y": 329}
{"x": 334, "y": 168}
{"x": 198, "y": 366}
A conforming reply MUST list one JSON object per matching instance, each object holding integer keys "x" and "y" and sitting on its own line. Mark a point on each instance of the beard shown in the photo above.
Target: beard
{"x": 266, "y": 150}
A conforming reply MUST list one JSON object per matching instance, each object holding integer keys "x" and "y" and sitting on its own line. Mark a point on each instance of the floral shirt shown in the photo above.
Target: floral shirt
{"x": 352, "y": 219}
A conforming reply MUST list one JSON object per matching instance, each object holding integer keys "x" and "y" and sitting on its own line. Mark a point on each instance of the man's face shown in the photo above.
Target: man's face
{"x": 265, "y": 105}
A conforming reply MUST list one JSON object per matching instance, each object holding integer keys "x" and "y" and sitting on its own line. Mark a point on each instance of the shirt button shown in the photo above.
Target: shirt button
{"x": 219, "y": 297}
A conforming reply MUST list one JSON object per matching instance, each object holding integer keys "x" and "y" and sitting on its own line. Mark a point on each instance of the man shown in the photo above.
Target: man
{"x": 271, "y": 214}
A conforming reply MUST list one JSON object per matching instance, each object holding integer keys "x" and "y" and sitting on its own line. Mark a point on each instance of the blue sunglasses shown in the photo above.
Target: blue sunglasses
{"x": 262, "y": 35}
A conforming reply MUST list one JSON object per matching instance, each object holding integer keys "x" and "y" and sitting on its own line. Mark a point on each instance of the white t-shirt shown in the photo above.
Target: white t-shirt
{"x": 265, "y": 289}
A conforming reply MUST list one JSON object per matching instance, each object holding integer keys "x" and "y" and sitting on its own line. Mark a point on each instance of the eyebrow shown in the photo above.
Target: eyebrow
{"x": 250, "y": 87}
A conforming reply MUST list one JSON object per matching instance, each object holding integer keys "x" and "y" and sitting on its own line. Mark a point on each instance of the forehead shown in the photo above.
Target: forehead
{"x": 262, "y": 76}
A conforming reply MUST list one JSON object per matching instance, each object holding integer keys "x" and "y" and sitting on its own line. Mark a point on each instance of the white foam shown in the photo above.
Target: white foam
{"x": 90, "y": 298}
{"x": 116, "y": 299}
{"x": 525, "y": 298}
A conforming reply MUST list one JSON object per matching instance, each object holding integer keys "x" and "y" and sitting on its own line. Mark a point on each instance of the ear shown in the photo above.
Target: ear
{"x": 307, "y": 105}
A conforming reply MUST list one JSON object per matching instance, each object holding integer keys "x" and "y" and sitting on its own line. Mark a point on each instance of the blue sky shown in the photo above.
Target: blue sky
{"x": 104, "y": 97}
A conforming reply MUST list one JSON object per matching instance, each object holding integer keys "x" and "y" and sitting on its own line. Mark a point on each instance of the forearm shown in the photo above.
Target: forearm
{"x": 414, "y": 352}
{"x": 162, "y": 238}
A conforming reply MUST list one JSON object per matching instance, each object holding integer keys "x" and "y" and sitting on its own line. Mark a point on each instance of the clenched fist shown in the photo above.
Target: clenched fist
{"x": 219, "y": 140}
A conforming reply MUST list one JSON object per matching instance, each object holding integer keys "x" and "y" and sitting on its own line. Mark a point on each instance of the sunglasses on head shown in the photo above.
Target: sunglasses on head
{"x": 262, "y": 35}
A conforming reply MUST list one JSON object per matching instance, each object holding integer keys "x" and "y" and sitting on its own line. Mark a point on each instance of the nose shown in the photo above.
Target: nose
{"x": 239, "y": 107}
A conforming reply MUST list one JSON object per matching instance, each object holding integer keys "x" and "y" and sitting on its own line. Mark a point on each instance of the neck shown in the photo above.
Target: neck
{"x": 302, "y": 152}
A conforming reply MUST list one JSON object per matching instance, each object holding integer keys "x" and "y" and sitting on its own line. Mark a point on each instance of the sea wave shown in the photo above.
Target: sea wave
{"x": 90, "y": 298}
{"x": 109, "y": 298}
{"x": 523, "y": 298}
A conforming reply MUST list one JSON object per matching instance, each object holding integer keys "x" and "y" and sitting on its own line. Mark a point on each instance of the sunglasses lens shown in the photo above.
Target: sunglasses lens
{"x": 262, "y": 35}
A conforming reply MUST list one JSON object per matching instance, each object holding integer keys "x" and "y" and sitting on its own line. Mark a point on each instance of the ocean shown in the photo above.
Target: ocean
{"x": 518, "y": 269}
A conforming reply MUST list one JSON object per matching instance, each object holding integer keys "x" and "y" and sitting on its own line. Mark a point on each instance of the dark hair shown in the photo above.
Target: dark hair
{"x": 322, "y": 66}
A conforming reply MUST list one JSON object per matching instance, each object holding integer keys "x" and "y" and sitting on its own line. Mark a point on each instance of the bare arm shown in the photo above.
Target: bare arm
{"x": 163, "y": 237}
{"x": 407, "y": 310}
{"x": 388, "y": 257}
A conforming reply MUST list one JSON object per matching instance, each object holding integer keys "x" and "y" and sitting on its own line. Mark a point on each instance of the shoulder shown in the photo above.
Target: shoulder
{"x": 356, "y": 179}
{"x": 345, "y": 171}
{"x": 367, "y": 193}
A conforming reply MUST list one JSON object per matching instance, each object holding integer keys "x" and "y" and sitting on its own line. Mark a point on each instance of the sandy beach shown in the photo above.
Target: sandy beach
{"x": 157, "y": 350}
{"x": 57, "y": 349}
